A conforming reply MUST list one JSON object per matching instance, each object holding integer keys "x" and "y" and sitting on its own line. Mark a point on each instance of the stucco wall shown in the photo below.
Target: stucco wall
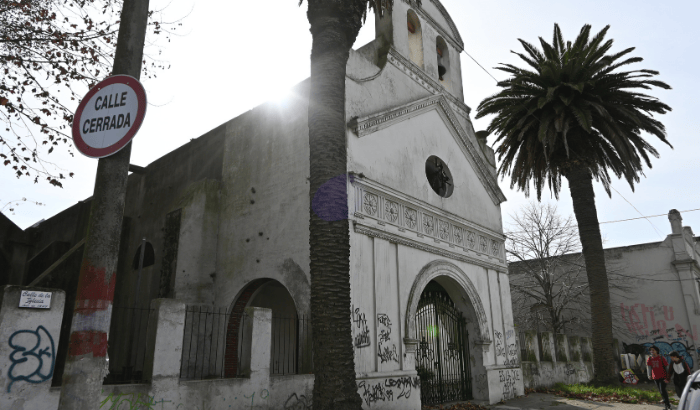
{"x": 264, "y": 205}
{"x": 28, "y": 345}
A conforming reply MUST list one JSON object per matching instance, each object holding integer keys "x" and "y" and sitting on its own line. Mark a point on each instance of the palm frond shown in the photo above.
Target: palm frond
{"x": 572, "y": 106}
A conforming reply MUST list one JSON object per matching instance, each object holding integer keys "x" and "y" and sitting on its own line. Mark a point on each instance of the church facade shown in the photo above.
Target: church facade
{"x": 222, "y": 222}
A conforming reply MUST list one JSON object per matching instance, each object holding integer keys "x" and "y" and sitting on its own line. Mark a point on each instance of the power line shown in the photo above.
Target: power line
{"x": 482, "y": 67}
{"x": 635, "y": 208}
{"x": 608, "y": 222}
{"x": 562, "y": 259}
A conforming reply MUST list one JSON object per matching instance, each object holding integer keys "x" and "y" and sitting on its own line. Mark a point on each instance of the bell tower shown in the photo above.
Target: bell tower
{"x": 425, "y": 34}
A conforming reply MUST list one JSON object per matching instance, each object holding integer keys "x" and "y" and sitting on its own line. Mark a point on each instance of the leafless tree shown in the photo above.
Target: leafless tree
{"x": 51, "y": 53}
{"x": 548, "y": 280}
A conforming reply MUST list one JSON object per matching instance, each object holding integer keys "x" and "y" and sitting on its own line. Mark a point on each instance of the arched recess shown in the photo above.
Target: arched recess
{"x": 286, "y": 328}
{"x": 444, "y": 272}
{"x": 415, "y": 38}
{"x": 149, "y": 256}
{"x": 443, "y": 59}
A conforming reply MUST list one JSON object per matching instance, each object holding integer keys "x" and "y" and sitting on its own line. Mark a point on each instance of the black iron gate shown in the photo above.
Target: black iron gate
{"x": 443, "y": 352}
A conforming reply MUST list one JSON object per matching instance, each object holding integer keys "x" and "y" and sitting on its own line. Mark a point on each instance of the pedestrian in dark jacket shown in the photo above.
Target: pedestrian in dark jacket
{"x": 678, "y": 371}
{"x": 658, "y": 373}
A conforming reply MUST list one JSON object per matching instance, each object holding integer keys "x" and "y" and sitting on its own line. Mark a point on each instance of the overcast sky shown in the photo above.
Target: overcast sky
{"x": 233, "y": 55}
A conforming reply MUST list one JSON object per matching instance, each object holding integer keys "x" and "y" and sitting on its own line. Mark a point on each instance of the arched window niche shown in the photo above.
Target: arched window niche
{"x": 415, "y": 38}
{"x": 443, "y": 60}
{"x": 149, "y": 256}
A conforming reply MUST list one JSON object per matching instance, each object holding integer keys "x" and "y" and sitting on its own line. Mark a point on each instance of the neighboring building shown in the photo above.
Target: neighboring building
{"x": 222, "y": 224}
{"x": 659, "y": 306}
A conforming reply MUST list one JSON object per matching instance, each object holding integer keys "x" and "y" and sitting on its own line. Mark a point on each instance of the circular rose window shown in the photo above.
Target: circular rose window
{"x": 439, "y": 176}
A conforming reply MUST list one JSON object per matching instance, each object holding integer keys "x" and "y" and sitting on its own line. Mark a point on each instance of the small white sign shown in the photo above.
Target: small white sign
{"x": 34, "y": 299}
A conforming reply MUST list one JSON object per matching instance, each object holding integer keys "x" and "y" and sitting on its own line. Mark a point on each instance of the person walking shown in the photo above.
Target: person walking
{"x": 678, "y": 371}
{"x": 658, "y": 366}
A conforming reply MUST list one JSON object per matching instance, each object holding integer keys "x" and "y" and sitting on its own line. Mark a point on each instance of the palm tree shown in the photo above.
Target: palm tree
{"x": 334, "y": 28}
{"x": 576, "y": 114}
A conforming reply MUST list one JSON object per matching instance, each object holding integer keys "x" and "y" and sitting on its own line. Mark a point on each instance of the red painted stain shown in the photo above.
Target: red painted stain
{"x": 86, "y": 342}
{"x": 95, "y": 289}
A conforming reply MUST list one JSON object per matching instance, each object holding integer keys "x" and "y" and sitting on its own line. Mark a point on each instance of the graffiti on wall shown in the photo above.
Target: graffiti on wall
{"x": 361, "y": 338}
{"x": 376, "y": 392}
{"x": 509, "y": 379}
{"x": 33, "y": 356}
{"x": 295, "y": 402}
{"x": 512, "y": 347}
{"x": 142, "y": 401}
{"x": 130, "y": 401}
{"x": 569, "y": 369}
{"x": 664, "y": 348}
{"x": 655, "y": 322}
{"x": 500, "y": 346}
{"x": 385, "y": 349}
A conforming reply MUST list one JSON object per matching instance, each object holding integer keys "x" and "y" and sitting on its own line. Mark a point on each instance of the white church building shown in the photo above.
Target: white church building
{"x": 223, "y": 224}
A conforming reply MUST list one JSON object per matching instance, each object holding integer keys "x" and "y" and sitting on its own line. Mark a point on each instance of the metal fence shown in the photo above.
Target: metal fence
{"x": 215, "y": 345}
{"x": 523, "y": 345}
{"x": 204, "y": 343}
{"x": 290, "y": 344}
{"x": 127, "y": 344}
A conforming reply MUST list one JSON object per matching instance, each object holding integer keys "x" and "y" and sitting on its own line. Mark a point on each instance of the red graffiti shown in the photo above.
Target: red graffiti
{"x": 95, "y": 289}
{"x": 86, "y": 342}
{"x": 648, "y": 326}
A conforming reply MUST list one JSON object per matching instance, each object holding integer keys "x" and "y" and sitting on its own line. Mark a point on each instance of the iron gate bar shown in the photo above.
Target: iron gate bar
{"x": 443, "y": 356}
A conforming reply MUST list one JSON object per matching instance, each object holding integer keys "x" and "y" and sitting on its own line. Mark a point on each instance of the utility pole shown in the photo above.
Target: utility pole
{"x": 86, "y": 364}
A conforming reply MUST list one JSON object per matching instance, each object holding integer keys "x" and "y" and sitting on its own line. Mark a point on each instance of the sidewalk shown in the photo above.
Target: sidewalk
{"x": 544, "y": 401}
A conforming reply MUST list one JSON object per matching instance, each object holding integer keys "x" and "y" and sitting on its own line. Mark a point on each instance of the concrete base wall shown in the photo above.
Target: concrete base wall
{"x": 546, "y": 374}
{"x": 166, "y": 391}
{"x": 569, "y": 363}
{"x": 28, "y": 346}
{"x": 390, "y": 391}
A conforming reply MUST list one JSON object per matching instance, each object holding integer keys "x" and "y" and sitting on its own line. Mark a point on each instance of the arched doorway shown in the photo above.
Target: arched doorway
{"x": 466, "y": 299}
{"x": 289, "y": 331}
{"x": 442, "y": 358}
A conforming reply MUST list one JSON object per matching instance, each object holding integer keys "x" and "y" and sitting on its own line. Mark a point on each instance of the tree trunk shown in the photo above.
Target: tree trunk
{"x": 329, "y": 236}
{"x": 581, "y": 187}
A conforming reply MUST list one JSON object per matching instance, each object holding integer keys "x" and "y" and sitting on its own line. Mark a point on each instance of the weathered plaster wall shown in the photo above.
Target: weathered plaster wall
{"x": 663, "y": 311}
{"x": 28, "y": 345}
{"x": 383, "y": 277}
{"x": 544, "y": 369}
{"x": 396, "y": 156}
{"x": 196, "y": 258}
{"x": 166, "y": 391}
{"x": 264, "y": 205}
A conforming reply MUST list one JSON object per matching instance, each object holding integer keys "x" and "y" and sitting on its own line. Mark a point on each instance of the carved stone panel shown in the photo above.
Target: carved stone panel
{"x": 415, "y": 220}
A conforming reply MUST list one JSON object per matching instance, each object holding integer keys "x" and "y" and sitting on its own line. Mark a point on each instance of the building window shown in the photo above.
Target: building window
{"x": 149, "y": 256}
{"x": 439, "y": 176}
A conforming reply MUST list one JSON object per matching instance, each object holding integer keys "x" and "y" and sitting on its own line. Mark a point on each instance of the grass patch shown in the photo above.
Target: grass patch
{"x": 604, "y": 394}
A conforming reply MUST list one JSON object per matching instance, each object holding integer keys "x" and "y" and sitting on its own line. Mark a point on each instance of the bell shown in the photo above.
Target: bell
{"x": 441, "y": 71}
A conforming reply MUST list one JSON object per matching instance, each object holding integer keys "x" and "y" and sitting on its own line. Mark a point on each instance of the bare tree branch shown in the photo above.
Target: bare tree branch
{"x": 547, "y": 272}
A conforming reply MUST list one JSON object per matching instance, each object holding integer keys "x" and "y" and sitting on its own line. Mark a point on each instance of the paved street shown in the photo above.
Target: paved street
{"x": 542, "y": 401}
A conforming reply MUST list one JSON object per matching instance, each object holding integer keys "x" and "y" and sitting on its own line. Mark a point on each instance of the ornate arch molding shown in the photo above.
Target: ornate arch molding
{"x": 443, "y": 268}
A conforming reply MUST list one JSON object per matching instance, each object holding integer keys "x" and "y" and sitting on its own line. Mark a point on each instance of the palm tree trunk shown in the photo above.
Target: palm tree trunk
{"x": 333, "y": 355}
{"x": 581, "y": 187}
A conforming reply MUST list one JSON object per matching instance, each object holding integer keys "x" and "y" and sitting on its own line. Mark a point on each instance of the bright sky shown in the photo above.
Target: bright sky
{"x": 232, "y": 56}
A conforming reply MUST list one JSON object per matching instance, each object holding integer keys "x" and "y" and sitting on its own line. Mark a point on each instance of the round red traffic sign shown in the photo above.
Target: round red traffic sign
{"x": 109, "y": 116}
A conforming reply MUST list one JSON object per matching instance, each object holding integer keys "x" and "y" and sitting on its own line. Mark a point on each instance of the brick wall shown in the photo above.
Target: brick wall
{"x": 232, "y": 332}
